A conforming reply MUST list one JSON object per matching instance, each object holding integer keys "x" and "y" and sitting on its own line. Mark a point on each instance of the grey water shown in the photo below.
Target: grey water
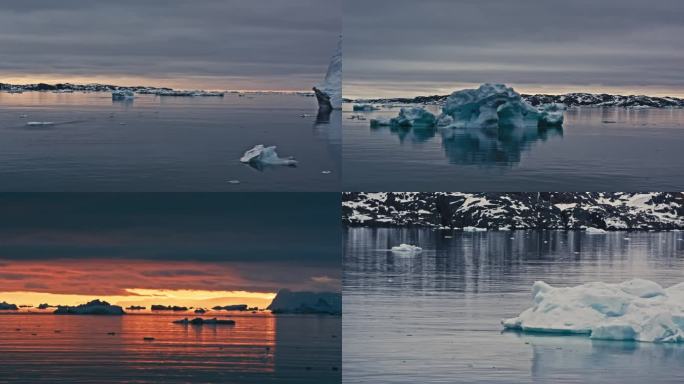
{"x": 596, "y": 149}
{"x": 164, "y": 144}
{"x": 435, "y": 317}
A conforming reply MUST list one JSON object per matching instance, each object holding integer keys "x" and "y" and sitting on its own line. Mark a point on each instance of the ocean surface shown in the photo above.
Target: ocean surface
{"x": 259, "y": 348}
{"x": 435, "y": 317}
{"x": 164, "y": 143}
{"x": 597, "y": 149}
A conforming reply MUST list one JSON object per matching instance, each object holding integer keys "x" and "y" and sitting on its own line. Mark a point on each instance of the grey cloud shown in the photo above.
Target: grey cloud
{"x": 612, "y": 42}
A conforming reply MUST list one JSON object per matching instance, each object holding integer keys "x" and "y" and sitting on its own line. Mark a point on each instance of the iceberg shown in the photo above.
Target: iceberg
{"x": 122, "y": 94}
{"x": 176, "y": 308}
{"x": 329, "y": 92}
{"x": 266, "y": 155}
{"x": 408, "y": 118}
{"x": 634, "y": 310}
{"x": 407, "y": 248}
{"x": 95, "y": 307}
{"x": 5, "y": 306}
{"x": 287, "y": 301}
{"x": 493, "y": 106}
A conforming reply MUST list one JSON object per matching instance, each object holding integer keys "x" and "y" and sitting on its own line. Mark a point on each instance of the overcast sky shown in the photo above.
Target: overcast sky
{"x": 408, "y": 47}
{"x": 107, "y": 243}
{"x": 210, "y": 44}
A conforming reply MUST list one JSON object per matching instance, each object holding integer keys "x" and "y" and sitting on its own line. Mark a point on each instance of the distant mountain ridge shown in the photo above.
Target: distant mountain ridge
{"x": 562, "y": 210}
{"x": 569, "y": 99}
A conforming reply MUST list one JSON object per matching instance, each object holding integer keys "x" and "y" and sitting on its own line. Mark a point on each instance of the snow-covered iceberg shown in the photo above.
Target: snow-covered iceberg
{"x": 406, "y": 248}
{"x": 636, "y": 310}
{"x": 329, "y": 92}
{"x": 408, "y": 118}
{"x": 95, "y": 307}
{"x": 5, "y": 306}
{"x": 266, "y": 155}
{"x": 287, "y": 301}
{"x": 493, "y": 106}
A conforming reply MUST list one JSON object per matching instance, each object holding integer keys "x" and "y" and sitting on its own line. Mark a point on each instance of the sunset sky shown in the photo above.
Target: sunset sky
{"x": 184, "y": 249}
{"x": 207, "y": 44}
{"x": 409, "y": 48}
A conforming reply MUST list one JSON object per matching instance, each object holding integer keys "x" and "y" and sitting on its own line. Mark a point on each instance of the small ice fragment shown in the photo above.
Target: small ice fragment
{"x": 234, "y": 181}
{"x": 406, "y": 248}
{"x": 364, "y": 108}
{"x": 326, "y": 172}
{"x": 595, "y": 231}
{"x": 23, "y": 116}
{"x": 38, "y": 123}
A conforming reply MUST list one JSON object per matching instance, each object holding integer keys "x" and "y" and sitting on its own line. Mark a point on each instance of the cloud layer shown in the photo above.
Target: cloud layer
{"x": 264, "y": 44}
{"x": 537, "y": 44}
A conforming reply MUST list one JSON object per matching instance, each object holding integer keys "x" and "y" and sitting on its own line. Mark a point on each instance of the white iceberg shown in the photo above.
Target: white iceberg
{"x": 635, "y": 310}
{"x": 407, "y": 248}
{"x": 493, "y": 106}
{"x": 595, "y": 231}
{"x": 266, "y": 155}
{"x": 329, "y": 92}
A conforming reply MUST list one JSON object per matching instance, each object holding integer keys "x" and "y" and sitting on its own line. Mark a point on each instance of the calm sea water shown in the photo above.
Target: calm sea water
{"x": 260, "y": 348}
{"x": 164, "y": 143}
{"x": 435, "y": 317}
{"x": 597, "y": 149}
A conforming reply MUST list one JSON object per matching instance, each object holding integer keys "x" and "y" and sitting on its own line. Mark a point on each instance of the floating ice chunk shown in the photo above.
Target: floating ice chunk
{"x": 266, "y": 155}
{"x": 122, "y": 94}
{"x": 595, "y": 231}
{"x": 329, "y": 92}
{"x": 408, "y": 118}
{"x": 493, "y": 106}
{"x": 39, "y": 123}
{"x": 201, "y": 321}
{"x": 637, "y": 310}
{"x": 364, "y": 108}
{"x": 407, "y": 248}
{"x": 5, "y": 306}
{"x": 474, "y": 229}
{"x": 287, "y": 301}
{"x": 551, "y": 114}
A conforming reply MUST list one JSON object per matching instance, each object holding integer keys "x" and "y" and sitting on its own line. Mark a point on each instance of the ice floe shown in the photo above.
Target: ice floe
{"x": 266, "y": 155}
{"x": 406, "y": 248}
{"x": 636, "y": 310}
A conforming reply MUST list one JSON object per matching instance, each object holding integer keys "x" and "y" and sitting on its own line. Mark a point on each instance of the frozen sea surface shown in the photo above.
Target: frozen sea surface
{"x": 157, "y": 143}
{"x": 597, "y": 149}
{"x": 260, "y": 348}
{"x": 435, "y": 317}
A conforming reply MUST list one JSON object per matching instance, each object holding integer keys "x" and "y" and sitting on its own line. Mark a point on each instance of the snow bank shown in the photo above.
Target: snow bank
{"x": 493, "y": 106}
{"x": 95, "y": 307}
{"x": 636, "y": 310}
{"x": 329, "y": 92}
{"x": 266, "y": 155}
{"x": 287, "y": 301}
{"x": 406, "y": 248}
